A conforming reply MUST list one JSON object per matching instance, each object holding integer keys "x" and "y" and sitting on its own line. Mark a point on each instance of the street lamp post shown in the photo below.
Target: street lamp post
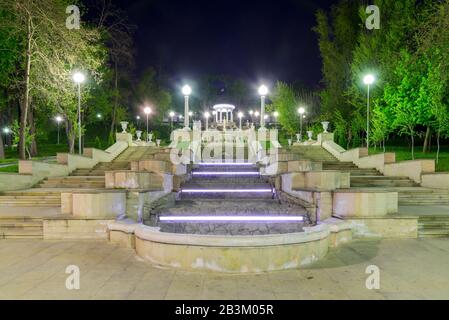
{"x": 207, "y": 115}
{"x": 240, "y": 115}
{"x": 251, "y": 112}
{"x": 368, "y": 80}
{"x": 186, "y": 91}
{"x": 138, "y": 121}
{"x": 147, "y": 111}
{"x": 263, "y": 91}
{"x": 79, "y": 78}
{"x": 301, "y": 112}
{"x": 58, "y": 121}
{"x": 6, "y": 131}
{"x": 256, "y": 114}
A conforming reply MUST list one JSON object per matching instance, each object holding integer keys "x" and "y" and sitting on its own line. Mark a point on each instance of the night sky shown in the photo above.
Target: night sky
{"x": 252, "y": 40}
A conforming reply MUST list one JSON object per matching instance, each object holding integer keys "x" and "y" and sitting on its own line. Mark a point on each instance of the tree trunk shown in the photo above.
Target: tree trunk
{"x": 2, "y": 150}
{"x": 438, "y": 146}
{"x": 426, "y": 147}
{"x": 70, "y": 136}
{"x": 26, "y": 97}
{"x": 33, "y": 147}
{"x": 114, "y": 111}
{"x": 412, "y": 135}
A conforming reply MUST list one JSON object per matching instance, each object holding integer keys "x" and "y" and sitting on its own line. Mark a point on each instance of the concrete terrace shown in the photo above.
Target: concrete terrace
{"x": 35, "y": 269}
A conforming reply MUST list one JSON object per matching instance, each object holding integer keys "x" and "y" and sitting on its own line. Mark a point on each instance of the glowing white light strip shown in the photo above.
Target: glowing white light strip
{"x": 226, "y": 164}
{"x": 226, "y": 190}
{"x": 231, "y": 218}
{"x": 225, "y": 173}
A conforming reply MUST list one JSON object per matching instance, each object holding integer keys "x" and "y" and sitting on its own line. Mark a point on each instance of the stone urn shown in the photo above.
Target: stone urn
{"x": 124, "y": 125}
{"x": 150, "y": 137}
{"x": 158, "y": 142}
{"x": 298, "y": 138}
{"x": 139, "y": 135}
{"x": 289, "y": 142}
{"x": 325, "y": 125}
{"x": 310, "y": 135}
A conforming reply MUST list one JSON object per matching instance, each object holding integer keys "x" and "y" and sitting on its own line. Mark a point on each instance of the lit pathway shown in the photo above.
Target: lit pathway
{"x": 410, "y": 269}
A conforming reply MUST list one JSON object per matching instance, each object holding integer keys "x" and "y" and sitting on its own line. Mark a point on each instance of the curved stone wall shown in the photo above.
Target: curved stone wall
{"x": 234, "y": 254}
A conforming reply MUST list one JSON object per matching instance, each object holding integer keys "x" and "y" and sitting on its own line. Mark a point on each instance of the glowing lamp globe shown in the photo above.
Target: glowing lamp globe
{"x": 301, "y": 110}
{"x": 240, "y": 115}
{"x": 147, "y": 110}
{"x": 78, "y": 77}
{"x": 206, "y": 115}
{"x": 369, "y": 79}
{"x": 276, "y": 114}
{"x": 263, "y": 90}
{"x": 172, "y": 114}
{"x": 186, "y": 90}
{"x": 58, "y": 119}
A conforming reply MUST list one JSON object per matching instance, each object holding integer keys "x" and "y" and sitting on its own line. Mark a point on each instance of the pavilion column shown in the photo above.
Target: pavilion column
{"x": 232, "y": 116}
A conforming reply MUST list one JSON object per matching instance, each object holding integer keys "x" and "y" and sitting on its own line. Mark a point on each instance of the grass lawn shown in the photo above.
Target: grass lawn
{"x": 13, "y": 169}
{"x": 404, "y": 153}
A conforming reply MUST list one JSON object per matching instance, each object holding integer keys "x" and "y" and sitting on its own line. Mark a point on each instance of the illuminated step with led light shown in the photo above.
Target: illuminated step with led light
{"x": 231, "y": 218}
{"x": 227, "y": 190}
{"x": 224, "y": 164}
{"x": 225, "y": 173}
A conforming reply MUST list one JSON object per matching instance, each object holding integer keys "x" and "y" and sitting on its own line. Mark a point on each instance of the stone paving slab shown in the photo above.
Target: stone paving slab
{"x": 409, "y": 269}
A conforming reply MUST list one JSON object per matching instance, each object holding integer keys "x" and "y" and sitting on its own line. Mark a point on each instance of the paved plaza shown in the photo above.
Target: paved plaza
{"x": 409, "y": 269}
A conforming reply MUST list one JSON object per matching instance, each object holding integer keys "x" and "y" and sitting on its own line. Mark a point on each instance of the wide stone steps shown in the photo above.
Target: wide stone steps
{"x": 316, "y": 153}
{"x": 381, "y": 181}
{"x": 96, "y": 182}
{"x": 30, "y": 199}
{"x": 424, "y": 197}
{"x": 238, "y": 207}
{"x": 99, "y": 169}
{"x": 433, "y": 226}
{"x": 21, "y": 228}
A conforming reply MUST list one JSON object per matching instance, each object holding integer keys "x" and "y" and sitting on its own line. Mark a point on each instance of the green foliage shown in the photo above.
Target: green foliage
{"x": 149, "y": 91}
{"x": 111, "y": 139}
{"x": 98, "y": 143}
{"x": 285, "y": 101}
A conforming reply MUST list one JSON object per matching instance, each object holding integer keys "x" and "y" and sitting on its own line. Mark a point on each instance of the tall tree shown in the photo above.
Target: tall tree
{"x": 337, "y": 37}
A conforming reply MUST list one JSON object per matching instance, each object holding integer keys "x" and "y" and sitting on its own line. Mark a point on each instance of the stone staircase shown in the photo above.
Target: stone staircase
{"x": 30, "y": 199}
{"x": 137, "y": 153}
{"x": 85, "y": 182}
{"x": 99, "y": 169}
{"x": 314, "y": 153}
{"x": 424, "y": 197}
{"x": 433, "y": 226}
{"x": 21, "y": 228}
{"x": 229, "y": 200}
{"x": 368, "y": 177}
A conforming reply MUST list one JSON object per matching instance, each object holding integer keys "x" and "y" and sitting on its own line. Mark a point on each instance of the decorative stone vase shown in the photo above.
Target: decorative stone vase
{"x": 139, "y": 135}
{"x": 289, "y": 142}
{"x": 158, "y": 142}
{"x": 298, "y": 138}
{"x": 124, "y": 125}
{"x": 150, "y": 137}
{"x": 325, "y": 125}
{"x": 310, "y": 135}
